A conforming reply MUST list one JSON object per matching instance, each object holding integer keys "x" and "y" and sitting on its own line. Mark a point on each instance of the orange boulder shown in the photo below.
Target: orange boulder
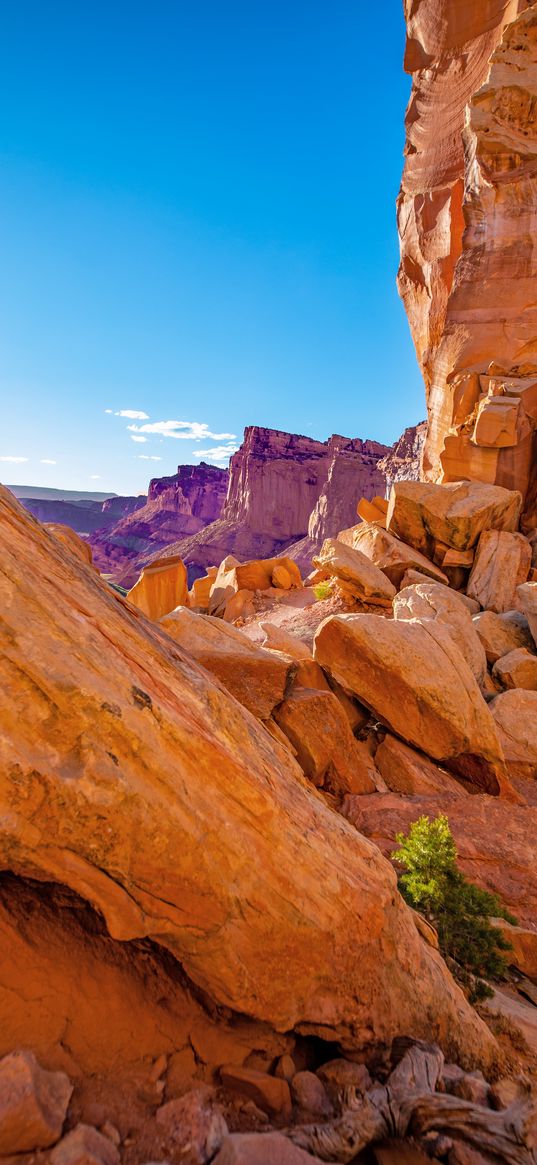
{"x": 161, "y": 588}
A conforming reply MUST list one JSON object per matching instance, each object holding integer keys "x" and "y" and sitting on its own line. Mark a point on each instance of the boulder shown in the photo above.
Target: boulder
{"x": 339, "y": 1074}
{"x": 527, "y": 599}
{"x": 326, "y": 749}
{"x": 501, "y": 563}
{"x": 72, "y": 541}
{"x": 310, "y": 1095}
{"x": 270, "y": 1093}
{"x": 433, "y": 601}
{"x": 257, "y": 678}
{"x": 193, "y": 1127}
{"x": 84, "y": 1145}
{"x": 515, "y": 714}
{"x": 503, "y": 633}
{"x": 257, "y": 575}
{"x": 406, "y": 771}
{"x": 262, "y": 1149}
{"x": 199, "y": 593}
{"x": 33, "y": 1104}
{"x": 351, "y": 566}
{"x": 391, "y": 555}
{"x": 523, "y": 954}
{"x": 373, "y": 511}
{"x": 156, "y": 797}
{"x": 517, "y": 669}
{"x": 422, "y": 514}
{"x": 161, "y": 588}
{"x": 496, "y": 841}
{"x": 278, "y": 639}
{"x": 415, "y": 680}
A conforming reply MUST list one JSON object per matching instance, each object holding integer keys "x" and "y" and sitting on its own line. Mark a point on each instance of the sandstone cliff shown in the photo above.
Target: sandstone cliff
{"x": 176, "y": 506}
{"x": 467, "y": 222}
{"x": 83, "y": 516}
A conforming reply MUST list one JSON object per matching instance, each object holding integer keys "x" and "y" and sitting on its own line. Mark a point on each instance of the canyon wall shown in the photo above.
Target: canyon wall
{"x": 467, "y": 222}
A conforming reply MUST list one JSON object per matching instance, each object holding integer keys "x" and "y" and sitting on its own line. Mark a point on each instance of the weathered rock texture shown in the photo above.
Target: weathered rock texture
{"x": 131, "y": 777}
{"x": 403, "y": 461}
{"x": 467, "y": 223}
{"x": 176, "y": 506}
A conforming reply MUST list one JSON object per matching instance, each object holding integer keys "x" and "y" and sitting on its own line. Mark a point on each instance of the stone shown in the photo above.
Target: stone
{"x": 33, "y": 1104}
{"x": 278, "y": 639}
{"x": 155, "y": 797}
{"x": 415, "y": 680}
{"x": 282, "y": 577}
{"x": 84, "y": 1145}
{"x": 502, "y": 562}
{"x": 517, "y": 669}
{"x": 435, "y": 602}
{"x": 325, "y": 747}
{"x": 262, "y": 1149}
{"x": 310, "y": 1095}
{"x": 523, "y": 954}
{"x": 527, "y": 599}
{"x": 391, "y": 555}
{"x": 515, "y": 713}
{"x": 422, "y": 514}
{"x": 340, "y": 1074}
{"x": 507, "y": 1090}
{"x": 161, "y": 588}
{"x": 403, "y": 460}
{"x": 464, "y": 558}
{"x": 496, "y": 841}
{"x": 285, "y": 1068}
{"x": 472, "y": 1086}
{"x": 270, "y": 1093}
{"x": 199, "y": 593}
{"x": 259, "y": 679}
{"x": 193, "y": 1126}
{"x": 373, "y": 511}
{"x": 407, "y": 771}
{"x": 501, "y": 634}
{"x": 249, "y": 577}
{"x": 72, "y": 541}
{"x": 342, "y": 562}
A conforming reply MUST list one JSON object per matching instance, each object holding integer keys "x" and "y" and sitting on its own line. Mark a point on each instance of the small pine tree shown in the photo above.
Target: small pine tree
{"x": 433, "y": 884}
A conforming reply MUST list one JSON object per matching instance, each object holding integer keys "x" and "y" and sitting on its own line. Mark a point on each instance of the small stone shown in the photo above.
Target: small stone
{"x": 84, "y": 1145}
{"x": 109, "y": 1130}
{"x": 505, "y": 1091}
{"x": 309, "y": 1093}
{"x": 269, "y": 1092}
{"x": 262, "y": 1149}
{"x": 452, "y": 1074}
{"x": 339, "y": 1074}
{"x": 33, "y": 1103}
{"x": 285, "y": 1068}
{"x": 193, "y": 1125}
{"x": 472, "y": 1086}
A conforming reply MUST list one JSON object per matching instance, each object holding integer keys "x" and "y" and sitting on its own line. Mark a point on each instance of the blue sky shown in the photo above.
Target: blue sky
{"x": 197, "y": 205}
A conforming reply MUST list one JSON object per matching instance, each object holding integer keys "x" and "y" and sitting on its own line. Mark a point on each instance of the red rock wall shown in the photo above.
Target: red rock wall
{"x": 467, "y": 222}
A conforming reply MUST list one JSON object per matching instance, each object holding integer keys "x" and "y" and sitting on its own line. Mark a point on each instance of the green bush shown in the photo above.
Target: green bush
{"x": 323, "y": 590}
{"x": 433, "y": 884}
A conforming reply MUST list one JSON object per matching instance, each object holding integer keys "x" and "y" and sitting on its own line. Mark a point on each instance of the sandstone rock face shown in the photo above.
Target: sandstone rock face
{"x": 501, "y": 564}
{"x": 132, "y": 779}
{"x": 403, "y": 462}
{"x": 412, "y": 676}
{"x": 176, "y": 506}
{"x": 496, "y": 842}
{"x": 161, "y": 587}
{"x": 83, "y": 516}
{"x": 422, "y": 514}
{"x": 33, "y": 1104}
{"x": 466, "y": 216}
{"x": 515, "y": 713}
{"x": 71, "y": 539}
{"x": 434, "y": 601}
{"x": 259, "y": 679}
{"x": 351, "y": 566}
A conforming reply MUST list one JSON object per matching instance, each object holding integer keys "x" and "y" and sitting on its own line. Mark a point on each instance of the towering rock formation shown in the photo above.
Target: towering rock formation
{"x": 176, "y": 506}
{"x": 403, "y": 460}
{"x": 467, "y": 216}
{"x": 276, "y": 482}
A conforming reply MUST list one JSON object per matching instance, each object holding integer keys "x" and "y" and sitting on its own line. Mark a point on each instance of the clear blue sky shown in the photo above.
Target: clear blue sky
{"x": 198, "y": 224}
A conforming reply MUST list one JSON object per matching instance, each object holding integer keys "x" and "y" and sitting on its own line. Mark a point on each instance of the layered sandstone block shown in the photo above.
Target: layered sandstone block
{"x": 131, "y": 778}
{"x": 162, "y": 586}
{"x": 466, "y": 216}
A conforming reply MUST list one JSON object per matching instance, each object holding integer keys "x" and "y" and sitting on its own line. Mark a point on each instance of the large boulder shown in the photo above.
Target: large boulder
{"x": 326, "y": 749}
{"x": 259, "y": 679}
{"x": 503, "y": 633}
{"x": 414, "y": 678}
{"x": 515, "y": 713}
{"x": 501, "y": 563}
{"x": 527, "y": 599}
{"x": 455, "y": 514}
{"x": 257, "y": 575}
{"x": 517, "y": 669}
{"x": 351, "y": 566}
{"x": 33, "y": 1104}
{"x": 434, "y": 601}
{"x": 410, "y": 772}
{"x": 162, "y": 586}
{"x": 132, "y": 779}
{"x": 496, "y": 842}
{"x": 391, "y": 555}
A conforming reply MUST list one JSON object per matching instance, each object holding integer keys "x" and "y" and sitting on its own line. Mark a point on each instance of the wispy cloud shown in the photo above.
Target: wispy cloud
{"x": 135, "y": 438}
{"x": 48, "y": 461}
{"x": 182, "y": 430}
{"x": 95, "y": 477}
{"x": 14, "y": 460}
{"x": 147, "y": 457}
{"x": 132, "y": 414}
{"x": 218, "y": 453}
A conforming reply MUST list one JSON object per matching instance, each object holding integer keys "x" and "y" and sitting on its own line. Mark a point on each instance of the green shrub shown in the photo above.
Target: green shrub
{"x": 323, "y": 590}
{"x": 433, "y": 884}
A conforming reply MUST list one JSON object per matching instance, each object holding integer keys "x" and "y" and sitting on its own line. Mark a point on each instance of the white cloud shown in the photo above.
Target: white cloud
{"x": 147, "y": 457}
{"x": 134, "y": 438}
{"x": 132, "y": 414}
{"x": 48, "y": 461}
{"x": 15, "y": 460}
{"x": 95, "y": 477}
{"x": 219, "y": 453}
{"x": 109, "y": 411}
{"x": 182, "y": 430}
